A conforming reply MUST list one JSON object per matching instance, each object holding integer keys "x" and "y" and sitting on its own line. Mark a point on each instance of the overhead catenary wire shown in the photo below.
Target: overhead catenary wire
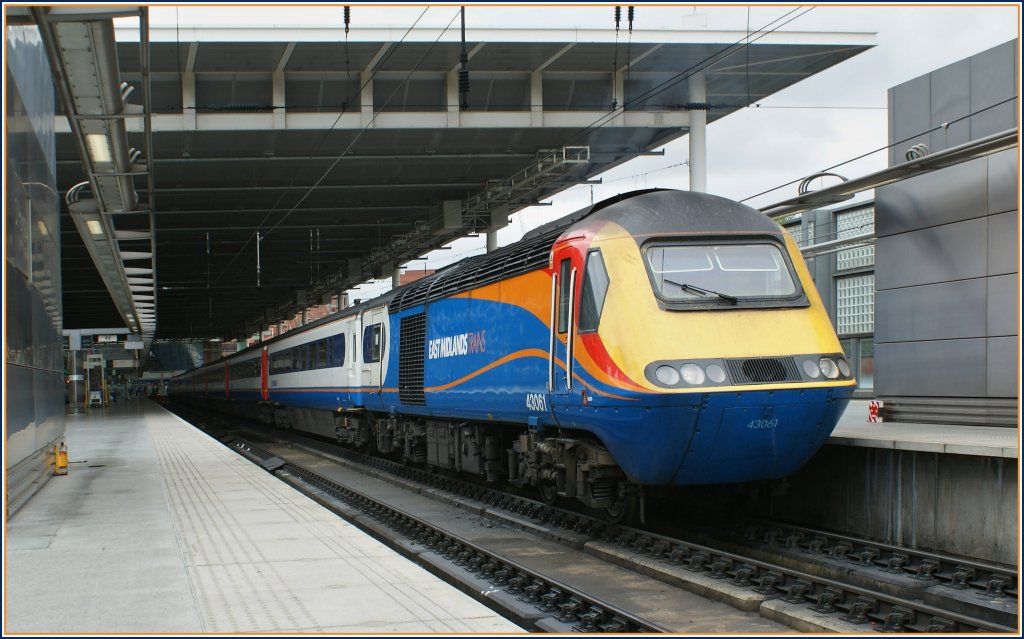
{"x": 644, "y": 97}
{"x": 943, "y": 126}
{"x": 770, "y": 27}
{"x": 274, "y": 208}
{"x": 700, "y": 65}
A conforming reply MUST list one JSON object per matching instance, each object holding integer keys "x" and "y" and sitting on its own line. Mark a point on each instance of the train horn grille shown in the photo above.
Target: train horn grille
{"x": 763, "y": 370}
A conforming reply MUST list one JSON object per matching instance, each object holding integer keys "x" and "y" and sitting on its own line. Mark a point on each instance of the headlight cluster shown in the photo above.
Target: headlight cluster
{"x": 690, "y": 373}
{"x": 827, "y": 366}
{"x": 708, "y": 373}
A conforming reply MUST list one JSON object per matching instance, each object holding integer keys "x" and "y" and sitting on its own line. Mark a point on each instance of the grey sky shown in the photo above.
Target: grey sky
{"x": 830, "y": 118}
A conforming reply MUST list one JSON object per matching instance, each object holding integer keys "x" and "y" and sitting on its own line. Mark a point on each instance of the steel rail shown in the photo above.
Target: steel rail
{"x": 988, "y": 579}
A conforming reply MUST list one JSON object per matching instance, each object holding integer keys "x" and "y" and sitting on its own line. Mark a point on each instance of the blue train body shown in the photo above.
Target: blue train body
{"x": 581, "y": 361}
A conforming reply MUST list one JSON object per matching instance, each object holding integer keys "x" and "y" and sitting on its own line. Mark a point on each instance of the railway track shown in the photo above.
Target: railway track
{"x": 809, "y": 580}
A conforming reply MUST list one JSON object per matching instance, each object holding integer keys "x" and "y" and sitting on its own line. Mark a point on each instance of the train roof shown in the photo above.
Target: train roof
{"x": 642, "y": 212}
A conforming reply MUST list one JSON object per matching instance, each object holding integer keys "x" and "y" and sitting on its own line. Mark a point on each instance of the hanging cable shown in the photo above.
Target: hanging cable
{"x": 274, "y": 208}
{"x": 464, "y": 69}
{"x": 629, "y": 44}
{"x": 348, "y": 67}
{"x": 615, "y": 56}
{"x": 717, "y": 56}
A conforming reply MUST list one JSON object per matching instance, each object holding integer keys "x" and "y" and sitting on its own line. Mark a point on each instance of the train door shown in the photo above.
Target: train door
{"x": 564, "y": 301}
{"x": 372, "y": 355}
{"x": 352, "y": 360}
{"x": 264, "y": 374}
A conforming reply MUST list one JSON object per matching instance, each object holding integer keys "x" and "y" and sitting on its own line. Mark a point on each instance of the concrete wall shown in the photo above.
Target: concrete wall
{"x": 946, "y": 301}
{"x": 33, "y": 365}
{"x": 961, "y": 504}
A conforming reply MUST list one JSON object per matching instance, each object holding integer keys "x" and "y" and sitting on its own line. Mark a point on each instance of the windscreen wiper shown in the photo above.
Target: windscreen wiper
{"x": 703, "y": 291}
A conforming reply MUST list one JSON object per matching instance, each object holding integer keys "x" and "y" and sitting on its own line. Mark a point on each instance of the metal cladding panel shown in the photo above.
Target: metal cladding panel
{"x": 34, "y": 371}
{"x": 49, "y": 406}
{"x": 949, "y": 310}
{"x": 942, "y": 197}
{"x": 1003, "y": 244}
{"x": 19, "y": 415}
{"x": 950, "y": 102}
{"x": 943, "y": 368}
{"x": 994, "y": 80}
{"x": 1003, "y": 170}
{"x": 1003, "y": 305}
{"x": 890, "y": 113}
{"x": 942, "y": 254}
{"x": 911, "y": 108}
{"x": 1002, "y": 367}
{"x": 18, "y": 333}
{"x": 994, "y": 120}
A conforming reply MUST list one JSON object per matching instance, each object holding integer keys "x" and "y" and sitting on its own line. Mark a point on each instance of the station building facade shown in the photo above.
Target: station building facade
{"x": 947, "y": 302}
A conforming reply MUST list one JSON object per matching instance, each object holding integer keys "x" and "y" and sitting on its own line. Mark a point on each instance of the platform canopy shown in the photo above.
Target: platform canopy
{"x": 292, "y": 164}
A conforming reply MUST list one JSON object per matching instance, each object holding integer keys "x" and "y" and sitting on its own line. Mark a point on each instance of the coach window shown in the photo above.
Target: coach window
{"x": 373, "y": 338}
{"x": 595, "y": 288}
{"x": 564, "y": 295}
{"x": 339, "y": 350}
{"x": 323, "y": 354}
{"x": 280, "y": 363}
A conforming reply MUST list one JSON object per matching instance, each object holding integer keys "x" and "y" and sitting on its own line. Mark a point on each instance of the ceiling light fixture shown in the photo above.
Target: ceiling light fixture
{"x": 99, "y": 148}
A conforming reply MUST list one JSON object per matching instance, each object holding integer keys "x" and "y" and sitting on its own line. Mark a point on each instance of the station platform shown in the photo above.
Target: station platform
{"x": 157, "y": 528}
{"x": 854, "y": 429}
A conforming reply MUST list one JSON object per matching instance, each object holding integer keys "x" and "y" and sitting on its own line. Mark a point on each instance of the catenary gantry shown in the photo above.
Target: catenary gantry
{"x": 290, "y": 164}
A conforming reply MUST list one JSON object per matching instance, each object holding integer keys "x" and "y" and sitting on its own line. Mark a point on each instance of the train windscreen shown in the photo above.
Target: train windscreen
{"x": 730, "y": 272}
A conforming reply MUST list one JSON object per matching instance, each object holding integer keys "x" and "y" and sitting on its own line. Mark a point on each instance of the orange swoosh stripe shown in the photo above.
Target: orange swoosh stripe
{"x": 526, "y": 352}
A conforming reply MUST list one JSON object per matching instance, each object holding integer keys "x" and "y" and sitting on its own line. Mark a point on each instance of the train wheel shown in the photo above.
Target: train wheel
{"x": 548, "y": 493}
{"x": 621, "y": 511}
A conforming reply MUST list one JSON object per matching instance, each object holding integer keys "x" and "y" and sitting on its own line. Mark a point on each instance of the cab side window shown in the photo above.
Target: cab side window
{"x": 564, "y": 295}
{"x": 595, "y": 288}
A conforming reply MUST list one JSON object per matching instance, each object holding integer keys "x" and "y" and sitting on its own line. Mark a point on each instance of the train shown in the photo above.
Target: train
{"x": 658, "y": 338}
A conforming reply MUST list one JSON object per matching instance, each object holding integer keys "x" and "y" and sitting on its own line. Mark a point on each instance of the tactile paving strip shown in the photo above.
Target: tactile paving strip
{"x": 264, "y": 558}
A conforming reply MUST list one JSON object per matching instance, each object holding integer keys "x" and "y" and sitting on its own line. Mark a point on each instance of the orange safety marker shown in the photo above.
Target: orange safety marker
{"x": 60, "y": 459}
